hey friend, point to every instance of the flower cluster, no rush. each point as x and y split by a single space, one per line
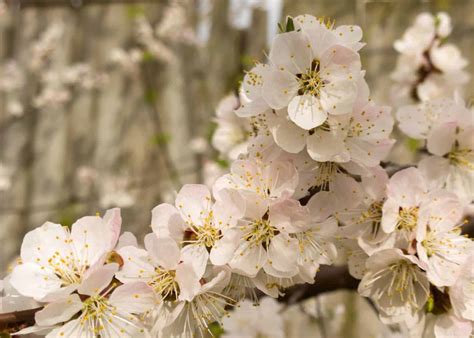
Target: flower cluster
306 187
428 67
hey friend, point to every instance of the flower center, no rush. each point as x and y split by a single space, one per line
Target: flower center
407 219
403 281
66 268
164 283
206 234
373 215
259 232
325 174
310 83
462 158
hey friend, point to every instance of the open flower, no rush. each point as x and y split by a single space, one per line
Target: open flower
56 261
395 282
440 245
99 308
310 79
196 222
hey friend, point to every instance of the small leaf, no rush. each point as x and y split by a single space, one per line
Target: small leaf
148 57
223 163
150 96
413 144
290 26
215 329
163 138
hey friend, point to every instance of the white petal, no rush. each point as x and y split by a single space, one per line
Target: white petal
289 136
325 146
282 253
164 251
166 221
32 281
441 139
279 88
194 202
306 112
197 256
290 52
58 312
133 298
98 280
188 281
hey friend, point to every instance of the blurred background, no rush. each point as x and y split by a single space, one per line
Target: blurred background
109 103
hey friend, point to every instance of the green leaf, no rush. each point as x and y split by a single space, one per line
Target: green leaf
135 11
290 26
223 163
430 304
150 96
148 57
161 139
413 145
216 330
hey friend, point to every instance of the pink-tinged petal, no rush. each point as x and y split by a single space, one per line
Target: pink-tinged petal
91 237
252 108
279 88
282 253
320 39
375 184
188 281
224 249
32 281
60 294
436 170
135 298
325 146
407 187
228 209
127 239
282 178
40 244
290 52
289 216
163 251
441 139
197 256
390 211
347 191
306 111
58 312
166 221
442 211
321 205
253 81
248 259
337 98
369 153
413 122
137 265
449 326
349 36
341 55
73 328
194 203
219 282
289 136
113 219
98 280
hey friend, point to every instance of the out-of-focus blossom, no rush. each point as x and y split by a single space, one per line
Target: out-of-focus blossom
253 321
447 126
114 192
428 68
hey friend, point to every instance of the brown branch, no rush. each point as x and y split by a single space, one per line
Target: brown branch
11 322
329 278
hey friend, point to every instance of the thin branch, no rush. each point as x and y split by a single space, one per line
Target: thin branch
329 278
11 322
